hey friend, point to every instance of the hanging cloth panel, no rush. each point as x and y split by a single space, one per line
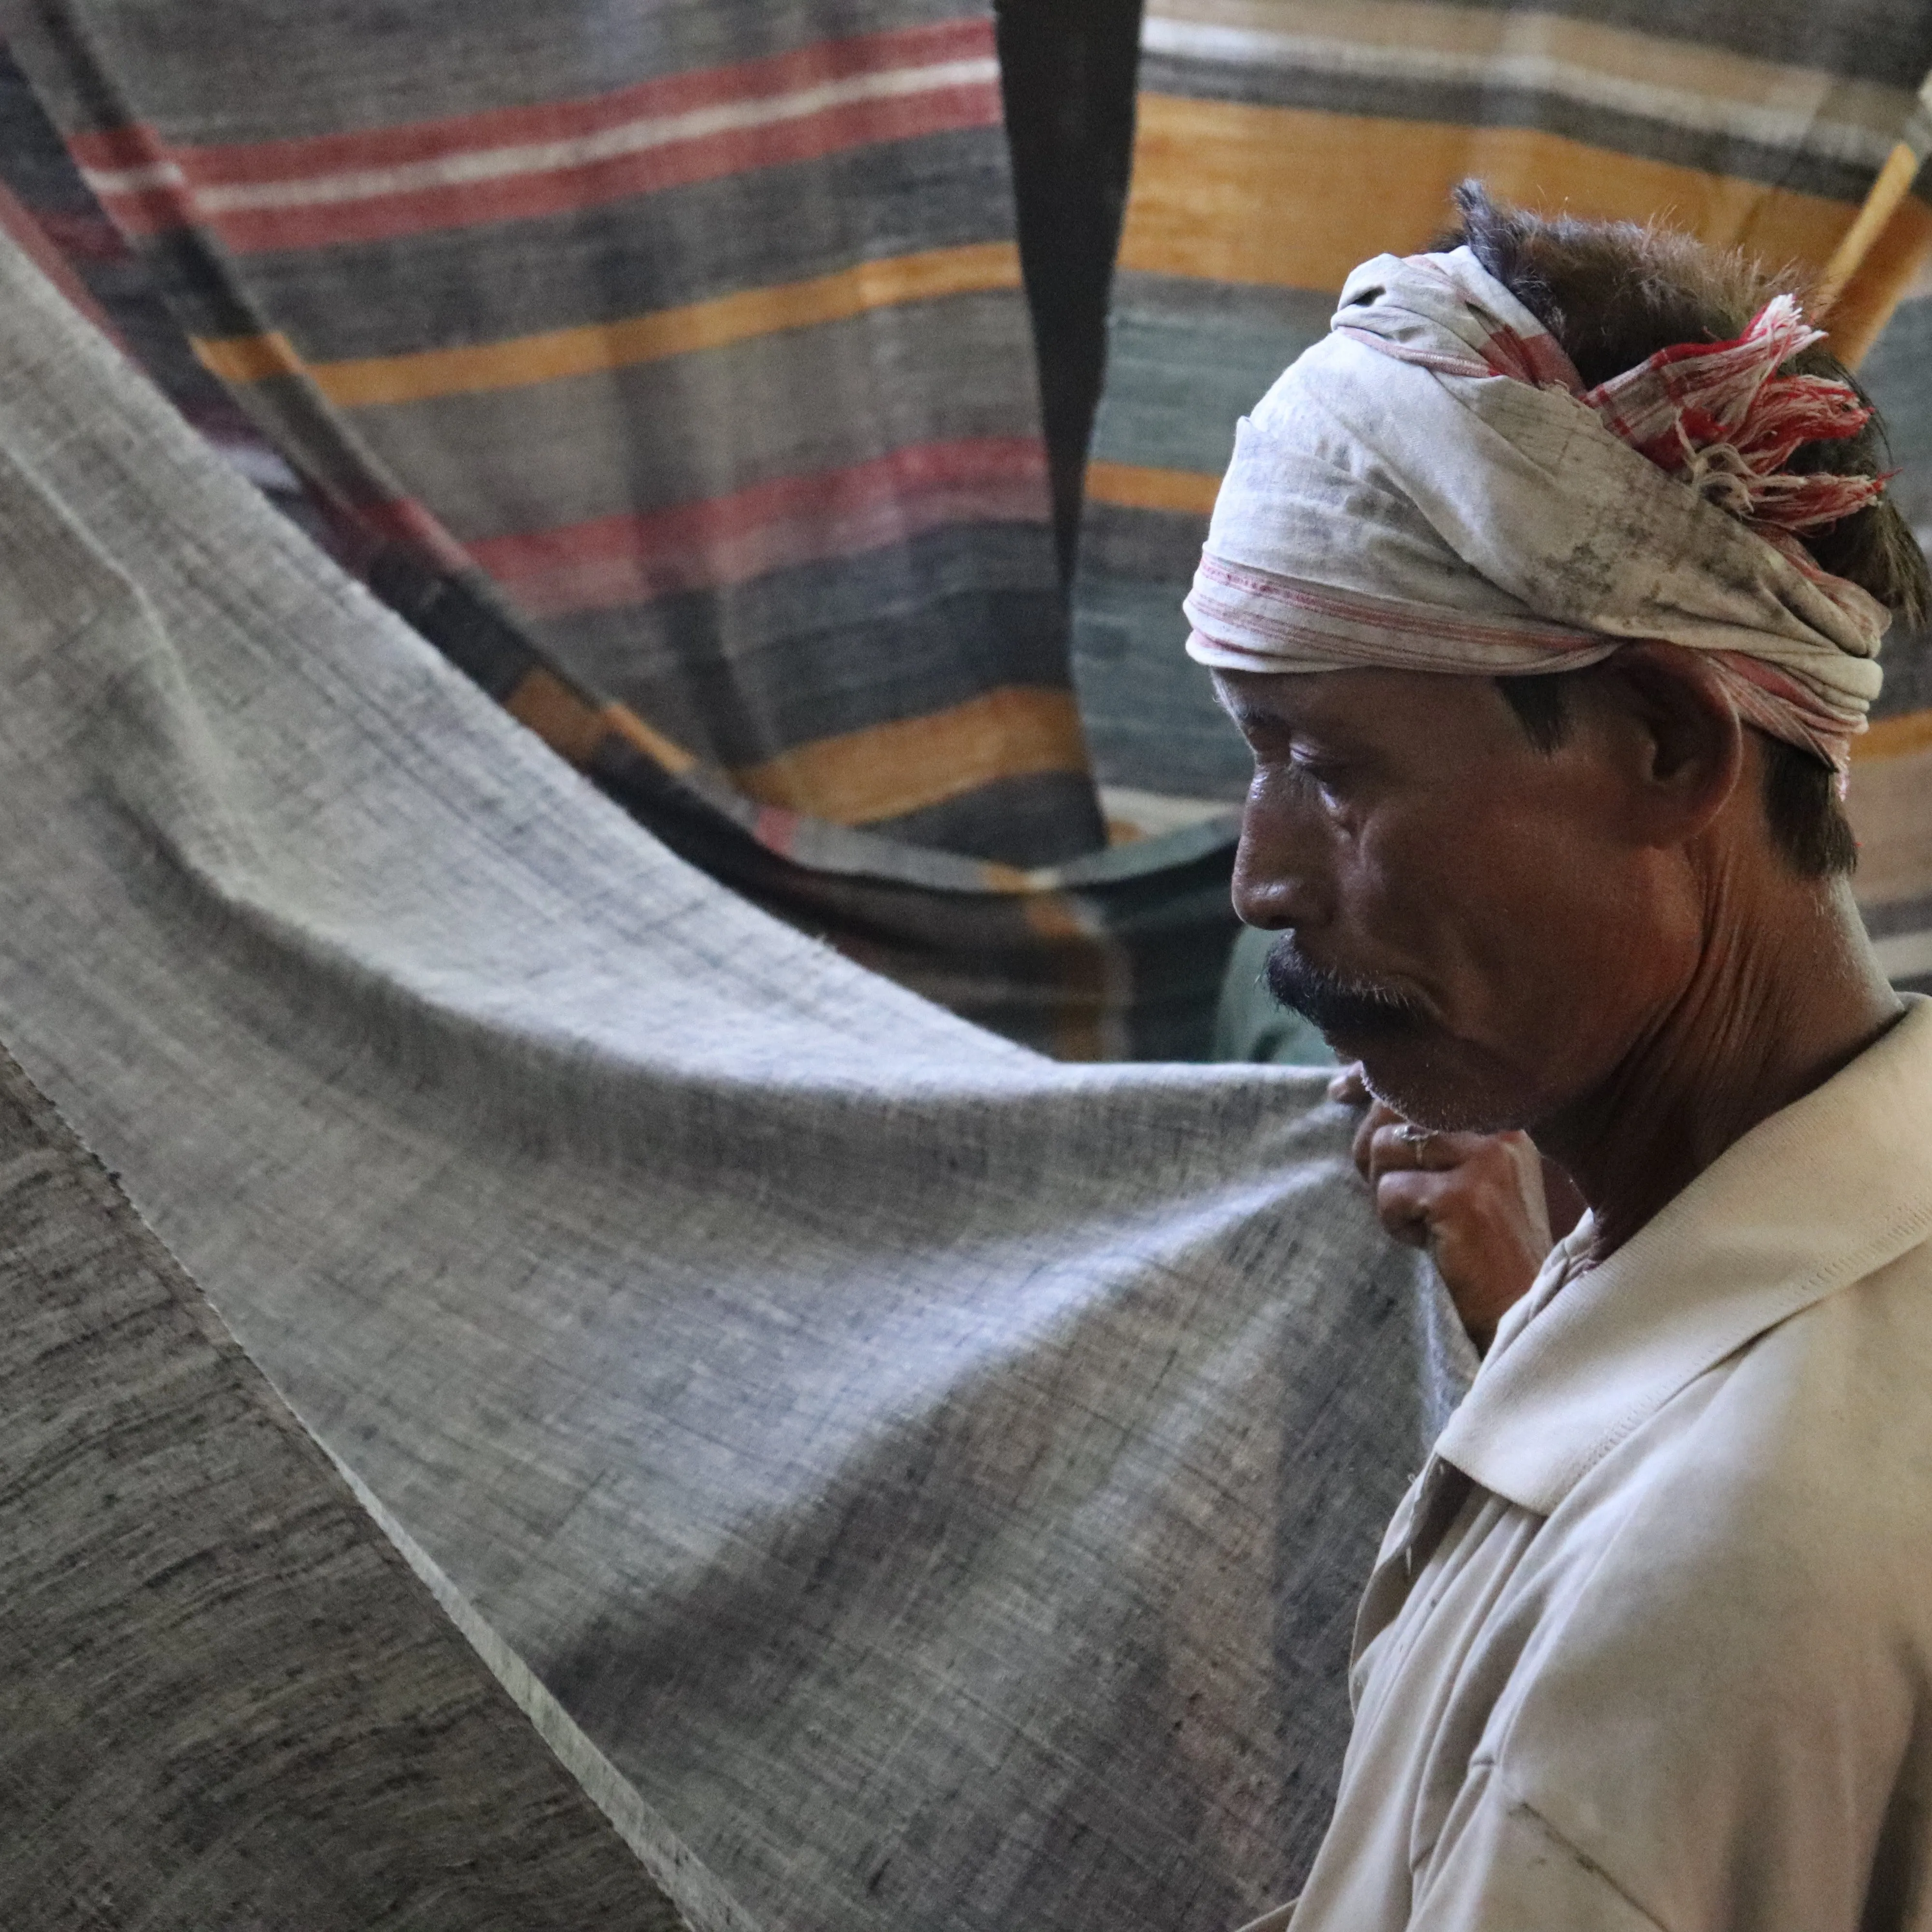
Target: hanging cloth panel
1117 954
938 1479
697 330
228 1702
1281 142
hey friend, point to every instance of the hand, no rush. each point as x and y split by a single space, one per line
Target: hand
1476 1201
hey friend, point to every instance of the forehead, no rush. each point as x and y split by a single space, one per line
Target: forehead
1380 707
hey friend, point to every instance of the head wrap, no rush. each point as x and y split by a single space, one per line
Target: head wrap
1432 487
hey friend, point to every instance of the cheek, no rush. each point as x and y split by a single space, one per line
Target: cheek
1515 920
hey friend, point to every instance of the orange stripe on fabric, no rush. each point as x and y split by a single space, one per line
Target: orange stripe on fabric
573 726
248 358
1132 487
596 347
563 717
1292 197
1893 737
626 724
862 777
1876 281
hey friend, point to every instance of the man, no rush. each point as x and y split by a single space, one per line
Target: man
1547 591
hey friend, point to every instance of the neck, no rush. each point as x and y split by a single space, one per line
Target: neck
1757 1025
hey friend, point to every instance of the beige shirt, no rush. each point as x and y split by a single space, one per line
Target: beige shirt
1649 1642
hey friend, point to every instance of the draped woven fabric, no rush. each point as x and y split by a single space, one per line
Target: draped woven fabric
226 1701
674 377
700 335
938 1481
1281 142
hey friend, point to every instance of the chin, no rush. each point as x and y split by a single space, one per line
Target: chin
1439 1084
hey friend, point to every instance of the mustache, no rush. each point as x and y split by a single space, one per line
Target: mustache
1351 1009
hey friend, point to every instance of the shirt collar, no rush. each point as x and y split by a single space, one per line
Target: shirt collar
1822 1193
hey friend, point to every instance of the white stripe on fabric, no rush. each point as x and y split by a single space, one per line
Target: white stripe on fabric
1797 127
630 137
134 181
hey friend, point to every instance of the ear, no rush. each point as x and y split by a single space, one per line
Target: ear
1678 738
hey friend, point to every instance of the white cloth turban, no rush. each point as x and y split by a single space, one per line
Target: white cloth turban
1431 488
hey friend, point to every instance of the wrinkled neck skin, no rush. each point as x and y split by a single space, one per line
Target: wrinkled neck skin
1783 991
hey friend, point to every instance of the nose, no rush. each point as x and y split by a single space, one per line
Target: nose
1281 872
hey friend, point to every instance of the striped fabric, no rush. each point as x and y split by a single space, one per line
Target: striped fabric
1281 142
724 477
698 334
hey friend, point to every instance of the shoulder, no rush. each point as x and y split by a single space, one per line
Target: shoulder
1729 1628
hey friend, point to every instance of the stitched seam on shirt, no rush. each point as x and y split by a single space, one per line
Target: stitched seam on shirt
1809 1291
1590 1865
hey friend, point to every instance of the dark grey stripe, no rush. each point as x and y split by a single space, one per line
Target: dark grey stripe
1893 375
1029 821
1150 710
1151 548
1507 107
1869 40
1887 922
811 653
487 282
278 69
1907 661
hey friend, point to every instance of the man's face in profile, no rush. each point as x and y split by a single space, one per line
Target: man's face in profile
1465 913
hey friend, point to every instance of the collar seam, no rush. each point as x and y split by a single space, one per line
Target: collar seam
1913 1228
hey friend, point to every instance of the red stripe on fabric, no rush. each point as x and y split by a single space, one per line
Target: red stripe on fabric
85 233
152 211
135 146
525 197
626 559
401 520
776 829
546 120
18 221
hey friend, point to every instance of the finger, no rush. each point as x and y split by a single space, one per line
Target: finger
1393 1144
1347 1085
1406 1203
1377 1120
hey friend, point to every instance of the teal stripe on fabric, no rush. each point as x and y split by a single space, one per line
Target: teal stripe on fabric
1186 360
1894 375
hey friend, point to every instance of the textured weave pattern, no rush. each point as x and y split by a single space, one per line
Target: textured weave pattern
699 334
939 1480
1116 954
1281 142
223 1700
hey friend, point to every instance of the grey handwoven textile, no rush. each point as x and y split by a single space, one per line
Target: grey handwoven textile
938 1479
223 1700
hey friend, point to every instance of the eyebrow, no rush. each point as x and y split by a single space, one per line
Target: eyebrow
1244 713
